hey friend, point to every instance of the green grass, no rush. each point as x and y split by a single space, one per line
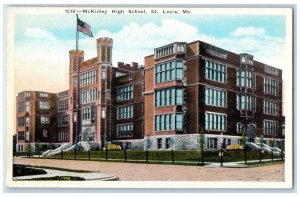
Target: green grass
164 156
57 178
263 163
22 170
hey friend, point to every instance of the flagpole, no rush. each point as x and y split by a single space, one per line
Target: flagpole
77 35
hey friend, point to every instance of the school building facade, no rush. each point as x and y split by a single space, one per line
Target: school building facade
182 89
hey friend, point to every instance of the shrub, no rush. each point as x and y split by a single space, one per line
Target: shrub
113 147
234 147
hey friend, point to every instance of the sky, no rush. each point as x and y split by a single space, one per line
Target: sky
42 44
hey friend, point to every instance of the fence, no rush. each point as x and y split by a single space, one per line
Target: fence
171 156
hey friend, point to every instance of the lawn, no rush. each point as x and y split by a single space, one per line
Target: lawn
163 156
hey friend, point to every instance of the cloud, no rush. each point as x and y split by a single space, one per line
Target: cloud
50 55
249 31
39 33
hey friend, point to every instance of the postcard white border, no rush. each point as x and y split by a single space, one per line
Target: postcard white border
10 125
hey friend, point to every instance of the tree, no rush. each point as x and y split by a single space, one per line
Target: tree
201 143
28 149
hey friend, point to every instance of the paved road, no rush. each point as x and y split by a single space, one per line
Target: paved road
159 172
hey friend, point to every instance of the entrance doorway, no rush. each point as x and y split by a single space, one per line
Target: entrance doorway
251 133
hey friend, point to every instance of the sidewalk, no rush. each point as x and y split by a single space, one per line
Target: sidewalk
237 164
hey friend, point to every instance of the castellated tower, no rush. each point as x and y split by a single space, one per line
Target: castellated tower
76 58
104 64
104 50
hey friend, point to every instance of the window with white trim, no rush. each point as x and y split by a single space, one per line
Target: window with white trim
245 102
245 78
168 71
45 120
62 121
88 96
239 127
169 122
44 94
87 78
212 143
27 121
63 105
125 130
86 113
215 121
215 71
215 97
271 86
125 112
271 107
125 93
168 97
270 127
44 105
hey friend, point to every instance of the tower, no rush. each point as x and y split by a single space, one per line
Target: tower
76 57
104 63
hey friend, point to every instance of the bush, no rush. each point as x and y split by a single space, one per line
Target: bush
113 147
234 147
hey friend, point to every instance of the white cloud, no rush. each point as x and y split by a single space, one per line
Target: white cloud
249 31
131 43
39 33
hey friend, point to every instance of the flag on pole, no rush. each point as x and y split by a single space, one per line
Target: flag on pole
84 28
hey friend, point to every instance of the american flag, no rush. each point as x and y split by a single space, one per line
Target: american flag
84 28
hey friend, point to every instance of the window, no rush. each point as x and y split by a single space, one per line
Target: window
27 107
23 107
21 135
245 78
240 141
86 113
21 122
212 143
270 127
44 105
24 94
27 136
44 120
271 86
215 97
215 71
167 97
215 122
271 107
87 78
63 136
168 143
167 122
118 74
103 74
245 102
27 121
63 105
239 127
125 93
125 112
125 130
168 71
170 49
159 143
62 121
88 96
44 94
103 113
